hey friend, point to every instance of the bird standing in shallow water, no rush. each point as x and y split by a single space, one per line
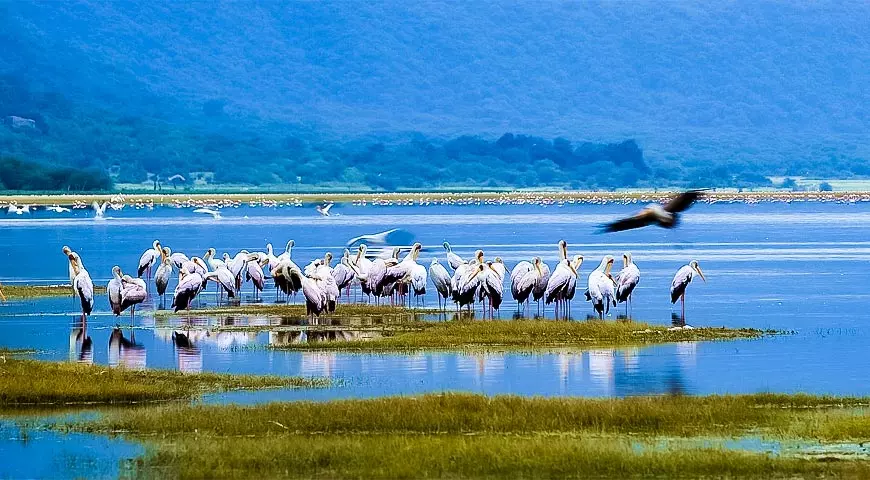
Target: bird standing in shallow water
626 281
681 281
600 287
441 280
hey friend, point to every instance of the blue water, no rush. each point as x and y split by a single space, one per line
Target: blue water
800 267
37 453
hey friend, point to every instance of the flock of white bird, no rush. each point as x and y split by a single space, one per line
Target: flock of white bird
473 281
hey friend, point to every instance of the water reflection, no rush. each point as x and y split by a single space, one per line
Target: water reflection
81 348
188 356
124 352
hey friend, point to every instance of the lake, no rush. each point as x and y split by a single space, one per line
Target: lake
799 267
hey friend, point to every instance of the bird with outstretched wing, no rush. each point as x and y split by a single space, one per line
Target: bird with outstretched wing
666 216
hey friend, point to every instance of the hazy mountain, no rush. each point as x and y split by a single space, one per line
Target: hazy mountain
692 82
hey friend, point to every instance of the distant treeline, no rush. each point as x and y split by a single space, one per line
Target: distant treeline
17 174
51 143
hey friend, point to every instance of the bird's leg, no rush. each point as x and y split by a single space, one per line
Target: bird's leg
683 306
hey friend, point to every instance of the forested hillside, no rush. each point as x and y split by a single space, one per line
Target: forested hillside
706 93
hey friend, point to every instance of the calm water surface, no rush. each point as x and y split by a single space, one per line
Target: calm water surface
800 267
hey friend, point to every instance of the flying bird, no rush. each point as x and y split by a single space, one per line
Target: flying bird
99 210
324 209
666 216
57 209
216 214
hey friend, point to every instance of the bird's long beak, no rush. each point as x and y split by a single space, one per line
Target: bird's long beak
698 268
608 267
624 261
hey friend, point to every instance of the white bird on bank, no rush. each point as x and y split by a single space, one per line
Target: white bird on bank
215 214
57 209
18 209
682 280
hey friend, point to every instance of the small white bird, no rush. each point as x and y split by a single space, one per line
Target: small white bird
57 209
18 209
324 209
215 214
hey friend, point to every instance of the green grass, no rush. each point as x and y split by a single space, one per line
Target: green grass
30 382
459 435
456 456
14 292
530 334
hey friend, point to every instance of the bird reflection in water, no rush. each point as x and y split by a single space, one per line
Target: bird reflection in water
81 348
300 337
188 355
124 352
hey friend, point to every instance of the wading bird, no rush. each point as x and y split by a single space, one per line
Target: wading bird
163 274
149 257
82 285
113 290
562 284
132 293
343 274
682 280
453 259
524 276
600 287
187 289
666 216
626 280
441 280
72 273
